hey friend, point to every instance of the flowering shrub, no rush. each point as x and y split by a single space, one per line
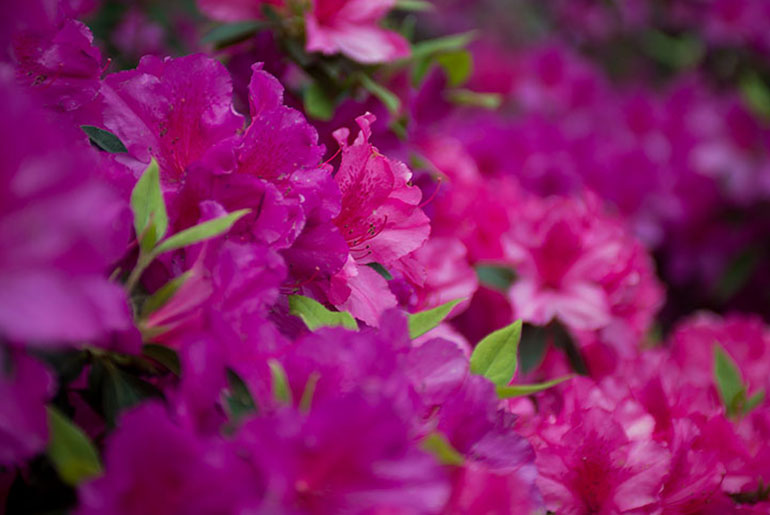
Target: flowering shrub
354 256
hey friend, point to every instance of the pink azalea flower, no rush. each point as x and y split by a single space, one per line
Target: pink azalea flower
351 27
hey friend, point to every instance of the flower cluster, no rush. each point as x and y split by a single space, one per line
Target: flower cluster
303 264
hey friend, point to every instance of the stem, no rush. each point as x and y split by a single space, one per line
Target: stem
141 265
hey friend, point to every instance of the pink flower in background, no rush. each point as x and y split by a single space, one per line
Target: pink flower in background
351 27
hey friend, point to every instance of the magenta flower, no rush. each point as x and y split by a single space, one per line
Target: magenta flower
60 231
351 27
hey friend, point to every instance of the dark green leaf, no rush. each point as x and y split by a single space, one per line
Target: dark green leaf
150 217
754 401
318 104
105 140
437 444
279 382
166 356
532 347
240 402
70 450
458 66
200 232
387 97
226 35
520 390
413 5
380 270
496 277
737 273
444 44
315 315
728 379
422 322
163 295
496 356
122 391
675 52
756 94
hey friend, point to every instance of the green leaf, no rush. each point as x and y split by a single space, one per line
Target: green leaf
121 391
520 390
496 277
680 52
200 232
166 356
495 357
315 315
466 97
163 295
317 103
413 5
229 34
422 322
754 401
387 97
105 140
443 44
279 382
737 273
728 379
437 444
239 400
756 94
380 270
458 66
70 450
150 217
309 391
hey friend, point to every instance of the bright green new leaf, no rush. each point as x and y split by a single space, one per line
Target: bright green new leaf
422 322
163 295
520 390
439 446
458 66
728 379
443 44
754 401
414 5
279 382
466 97
495 357
315 315
150 217
200 232
317 102
71 452
105 140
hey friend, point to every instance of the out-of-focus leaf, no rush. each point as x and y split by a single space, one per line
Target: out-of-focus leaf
69 449
166 356
105 140
317 103
309 391
451 43
231 33
458 66
496 356
279 382
200 232
756 94
387 97
437 444
737 273
413 5
520 390
150 217
532 347
754 401
380 270
496 277
163 295
239 400
728 379
675 52
422 322
315 315
466 97
121 391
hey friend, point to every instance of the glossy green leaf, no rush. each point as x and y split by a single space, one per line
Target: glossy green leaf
70 450
318 104
458 66
201 232
422 322
150 217
387 97
495 357
437 444
443 44
279 382
728 379
315 315
520 390
105 140
163 295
